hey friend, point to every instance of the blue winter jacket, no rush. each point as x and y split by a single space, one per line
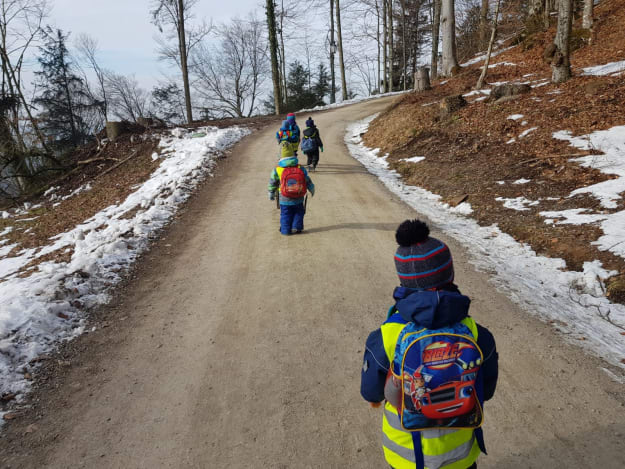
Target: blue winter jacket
288 126
433 310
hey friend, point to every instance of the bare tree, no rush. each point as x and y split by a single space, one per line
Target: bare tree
273 53
448 23
391 31
493 34
230 76
560 64
484 23
385 48
436 22
587 15
339 31
174 14
21 24
87 48
332 52
127 99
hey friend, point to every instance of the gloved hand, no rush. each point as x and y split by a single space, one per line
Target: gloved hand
272 195
321 148
312 192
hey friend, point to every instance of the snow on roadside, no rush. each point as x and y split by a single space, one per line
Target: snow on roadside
573 300
49 305
414 159
519 204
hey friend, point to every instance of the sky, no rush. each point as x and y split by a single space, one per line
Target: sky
125 34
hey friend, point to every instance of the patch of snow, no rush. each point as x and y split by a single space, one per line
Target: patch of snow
519 203
528 75
612 69
103 247
443 82
501 183
515 117
482 57
540 285
503 64
524 123
522 181
574 216
612 143
528 131
512 140
414 159
463 209
154 156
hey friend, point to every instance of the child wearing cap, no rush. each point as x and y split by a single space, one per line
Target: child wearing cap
427 298
311 144
289 133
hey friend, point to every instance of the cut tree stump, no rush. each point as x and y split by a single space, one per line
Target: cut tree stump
509 89
114 130
451 104
422 79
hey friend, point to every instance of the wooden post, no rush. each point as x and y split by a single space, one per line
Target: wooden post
113 130
422 79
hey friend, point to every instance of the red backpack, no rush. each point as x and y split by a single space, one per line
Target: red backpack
293 182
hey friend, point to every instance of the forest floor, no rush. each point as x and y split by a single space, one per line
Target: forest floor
502 157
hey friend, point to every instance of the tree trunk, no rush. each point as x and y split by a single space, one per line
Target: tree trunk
385 33
332 46
377 12
448 26
547 13
285 91
182 45
391 71
422 79
493 33
436 23
484 23
534 7
403 41
273 52
341 62
587 16
561 67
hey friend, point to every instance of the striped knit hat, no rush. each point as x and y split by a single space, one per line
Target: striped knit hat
422 262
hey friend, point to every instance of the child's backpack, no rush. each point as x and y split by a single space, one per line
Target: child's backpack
284 135
293 182
436 374
309 143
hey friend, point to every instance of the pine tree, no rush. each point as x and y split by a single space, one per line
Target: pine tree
322 86
299 96
63 101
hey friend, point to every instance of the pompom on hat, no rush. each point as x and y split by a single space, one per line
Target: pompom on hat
310 122
422 262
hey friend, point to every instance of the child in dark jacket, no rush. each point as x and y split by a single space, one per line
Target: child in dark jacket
427 298
311 144
292 209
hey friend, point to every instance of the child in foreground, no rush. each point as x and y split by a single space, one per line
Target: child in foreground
430 363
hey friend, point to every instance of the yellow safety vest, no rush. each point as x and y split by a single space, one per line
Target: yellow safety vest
450 448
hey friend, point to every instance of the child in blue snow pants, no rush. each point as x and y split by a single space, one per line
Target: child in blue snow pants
291 218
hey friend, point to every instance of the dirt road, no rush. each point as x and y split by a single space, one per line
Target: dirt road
223 354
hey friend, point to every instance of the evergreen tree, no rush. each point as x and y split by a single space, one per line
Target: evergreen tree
322 87
300 96
65 106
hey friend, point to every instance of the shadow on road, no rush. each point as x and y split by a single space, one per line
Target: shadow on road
339 169
354 226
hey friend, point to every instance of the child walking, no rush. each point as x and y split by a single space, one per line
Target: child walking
291 181
289 134
311 144
430 362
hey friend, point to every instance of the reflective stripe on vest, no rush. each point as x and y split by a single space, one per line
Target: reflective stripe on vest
448 448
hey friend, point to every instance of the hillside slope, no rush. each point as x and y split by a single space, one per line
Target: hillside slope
505 159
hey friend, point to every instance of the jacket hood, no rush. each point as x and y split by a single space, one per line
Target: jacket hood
288 161
431 309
